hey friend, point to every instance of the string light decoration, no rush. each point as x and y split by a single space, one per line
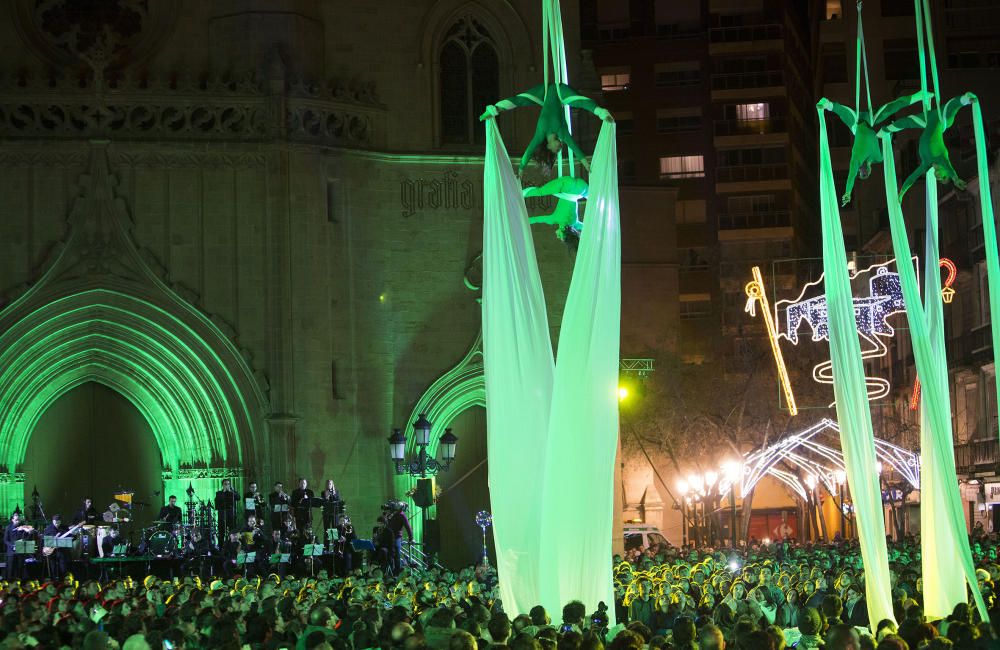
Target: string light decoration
805 455
755 293
947 295
872 314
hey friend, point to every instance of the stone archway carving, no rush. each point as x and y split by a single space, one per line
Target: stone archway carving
100 313
460 388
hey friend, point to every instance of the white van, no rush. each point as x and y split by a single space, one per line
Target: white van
642 536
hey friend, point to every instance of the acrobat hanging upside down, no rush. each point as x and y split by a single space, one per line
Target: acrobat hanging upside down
569 191
552 129
866 149
931 147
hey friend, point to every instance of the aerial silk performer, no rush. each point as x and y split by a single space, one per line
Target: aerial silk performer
944 540
569 191
552 128
853 413
552 425
931 148
866 150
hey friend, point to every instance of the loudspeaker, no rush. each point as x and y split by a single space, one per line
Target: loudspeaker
424 495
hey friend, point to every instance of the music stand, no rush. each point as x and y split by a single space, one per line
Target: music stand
365 546
249 503
246 558
312 551
280 558
24 547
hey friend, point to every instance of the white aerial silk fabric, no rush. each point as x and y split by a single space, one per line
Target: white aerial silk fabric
552 427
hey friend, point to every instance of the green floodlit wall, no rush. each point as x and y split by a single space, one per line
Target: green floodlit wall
176 381
461 388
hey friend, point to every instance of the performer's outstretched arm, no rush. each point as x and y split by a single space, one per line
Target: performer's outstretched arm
529 151
852 173
912 178
577 151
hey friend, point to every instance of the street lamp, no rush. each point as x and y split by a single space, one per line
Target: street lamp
423 465
840 479
709 501
732 473
682 489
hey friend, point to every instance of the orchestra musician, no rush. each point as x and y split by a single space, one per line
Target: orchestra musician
302 498
332 505
225 506
87 514
110 541
230 549
277 498
343 549
258 500
13 533
278 544
170 514
253 541
197 555
59 557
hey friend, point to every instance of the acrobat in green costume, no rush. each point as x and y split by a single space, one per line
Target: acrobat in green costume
551 128
932 150
568 190
867 149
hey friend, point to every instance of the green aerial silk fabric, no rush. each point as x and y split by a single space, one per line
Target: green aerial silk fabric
853 414
552 428
519 373
944 540
989 227
578 492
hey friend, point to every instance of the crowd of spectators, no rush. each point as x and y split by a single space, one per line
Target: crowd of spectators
766 596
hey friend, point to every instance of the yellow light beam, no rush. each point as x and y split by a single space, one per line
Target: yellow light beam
755 292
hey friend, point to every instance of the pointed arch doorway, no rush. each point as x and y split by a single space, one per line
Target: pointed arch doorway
75 451
100 314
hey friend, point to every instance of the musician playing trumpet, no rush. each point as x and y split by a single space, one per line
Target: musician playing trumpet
277 498
258 503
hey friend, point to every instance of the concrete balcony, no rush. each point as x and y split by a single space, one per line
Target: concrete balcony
741 85
978 457
729 133
745 38
770 219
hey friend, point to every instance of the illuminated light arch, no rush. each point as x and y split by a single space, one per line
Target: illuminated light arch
100 313
805 453
460 388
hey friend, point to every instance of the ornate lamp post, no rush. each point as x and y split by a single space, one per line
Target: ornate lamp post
423 466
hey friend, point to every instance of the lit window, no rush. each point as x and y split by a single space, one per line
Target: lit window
833 10
753 112
682 167
616 81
